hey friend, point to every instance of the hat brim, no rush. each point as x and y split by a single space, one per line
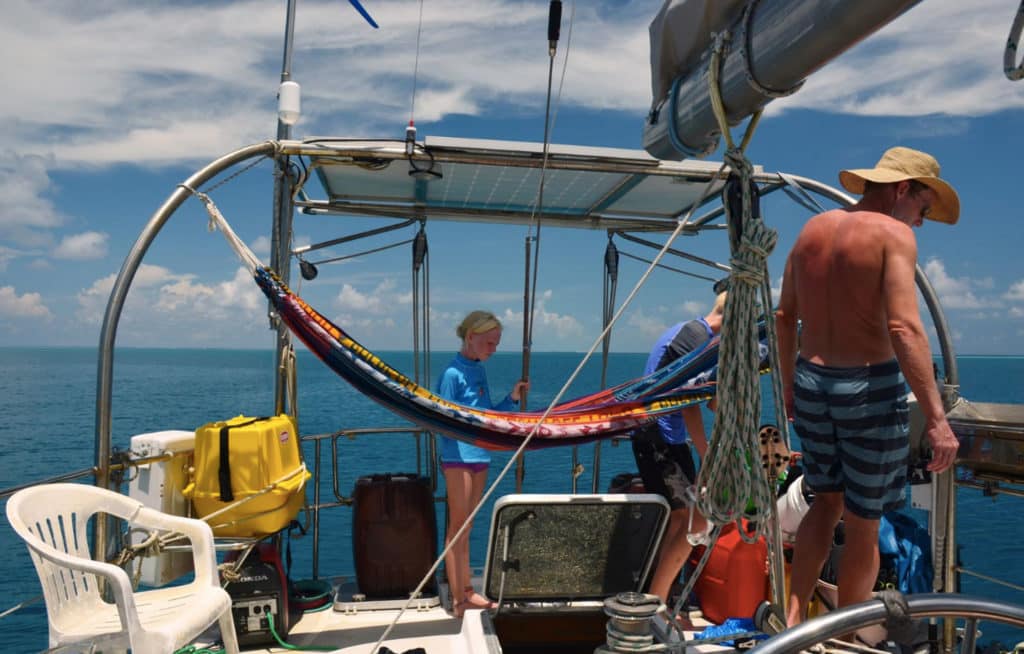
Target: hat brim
947 205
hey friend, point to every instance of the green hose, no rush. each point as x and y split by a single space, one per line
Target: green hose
282 643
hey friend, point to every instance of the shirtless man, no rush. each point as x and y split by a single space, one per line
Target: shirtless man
849 282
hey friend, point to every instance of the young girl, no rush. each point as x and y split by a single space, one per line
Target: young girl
465 466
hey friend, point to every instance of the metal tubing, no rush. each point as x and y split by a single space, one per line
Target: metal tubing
854 617
282 228
788 40
108 332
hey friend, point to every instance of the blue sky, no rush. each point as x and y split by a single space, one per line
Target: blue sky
109 104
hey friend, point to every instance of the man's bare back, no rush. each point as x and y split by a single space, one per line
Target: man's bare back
837 267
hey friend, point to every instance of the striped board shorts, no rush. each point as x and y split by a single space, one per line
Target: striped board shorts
853 425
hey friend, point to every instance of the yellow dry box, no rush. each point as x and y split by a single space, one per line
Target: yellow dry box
253 466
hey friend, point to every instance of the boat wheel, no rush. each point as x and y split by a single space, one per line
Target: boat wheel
896 612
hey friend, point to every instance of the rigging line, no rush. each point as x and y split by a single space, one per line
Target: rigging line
538 209
549 125
353 237
364 252
679 253
667 267
554 401
416 66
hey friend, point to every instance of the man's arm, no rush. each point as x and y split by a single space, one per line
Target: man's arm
909 341
693 420
785 329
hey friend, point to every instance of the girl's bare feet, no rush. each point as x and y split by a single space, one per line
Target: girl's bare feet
474 600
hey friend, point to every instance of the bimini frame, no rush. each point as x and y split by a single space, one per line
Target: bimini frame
620 191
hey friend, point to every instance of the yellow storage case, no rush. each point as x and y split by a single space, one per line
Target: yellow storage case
250 470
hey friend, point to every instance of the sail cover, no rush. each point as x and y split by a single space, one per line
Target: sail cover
680 33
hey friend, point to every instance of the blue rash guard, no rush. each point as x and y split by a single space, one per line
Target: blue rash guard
465 382
677 341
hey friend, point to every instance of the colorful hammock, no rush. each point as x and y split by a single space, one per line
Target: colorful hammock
606 413
592 417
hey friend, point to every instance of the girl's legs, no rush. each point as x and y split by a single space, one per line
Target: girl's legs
465 487
459 486
472 598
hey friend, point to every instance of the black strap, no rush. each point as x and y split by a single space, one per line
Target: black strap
224 469
292 526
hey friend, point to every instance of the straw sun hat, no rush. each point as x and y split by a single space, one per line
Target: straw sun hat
898 164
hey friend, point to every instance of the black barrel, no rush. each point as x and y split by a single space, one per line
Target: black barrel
394 533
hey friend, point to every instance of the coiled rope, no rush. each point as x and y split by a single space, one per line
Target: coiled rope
731 477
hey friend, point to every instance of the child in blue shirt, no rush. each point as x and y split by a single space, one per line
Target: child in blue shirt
464 381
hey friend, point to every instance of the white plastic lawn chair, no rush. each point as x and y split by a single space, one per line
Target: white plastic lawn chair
52 520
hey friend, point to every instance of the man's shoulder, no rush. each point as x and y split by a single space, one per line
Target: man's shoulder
825 225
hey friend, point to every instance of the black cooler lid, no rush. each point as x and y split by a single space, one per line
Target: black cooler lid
560 548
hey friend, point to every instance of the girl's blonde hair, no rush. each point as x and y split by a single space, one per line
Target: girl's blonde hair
477 322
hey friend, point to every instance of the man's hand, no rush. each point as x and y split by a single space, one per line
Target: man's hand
944 445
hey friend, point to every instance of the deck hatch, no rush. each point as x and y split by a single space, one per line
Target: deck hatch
560 548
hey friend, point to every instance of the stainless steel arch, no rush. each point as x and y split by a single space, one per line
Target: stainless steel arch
115 305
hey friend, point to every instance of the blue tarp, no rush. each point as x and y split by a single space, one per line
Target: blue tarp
905 546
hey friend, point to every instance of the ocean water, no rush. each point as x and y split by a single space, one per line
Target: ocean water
49 394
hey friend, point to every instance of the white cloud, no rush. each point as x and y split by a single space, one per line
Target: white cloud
238 297
900 72
92 301
177 298
1016 292
560 326
261 246
131 82
26 215
155 84
28 305
87 245
649 326
6 256
694 308
351 300
159 84
955 292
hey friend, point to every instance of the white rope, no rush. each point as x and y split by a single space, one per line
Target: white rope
217 221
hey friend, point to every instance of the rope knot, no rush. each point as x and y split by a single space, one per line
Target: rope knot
746 271
758 239
738 161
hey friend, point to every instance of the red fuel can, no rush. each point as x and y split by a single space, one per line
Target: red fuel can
735 579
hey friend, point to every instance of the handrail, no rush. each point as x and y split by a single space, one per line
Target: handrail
115 305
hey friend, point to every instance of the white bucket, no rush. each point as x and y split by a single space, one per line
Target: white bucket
792 507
